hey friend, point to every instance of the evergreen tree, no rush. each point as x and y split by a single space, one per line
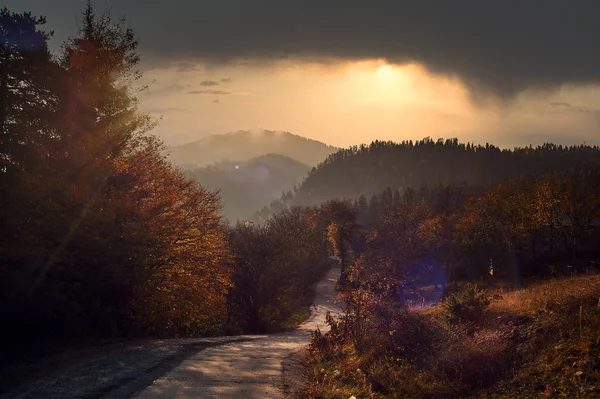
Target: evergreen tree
28 79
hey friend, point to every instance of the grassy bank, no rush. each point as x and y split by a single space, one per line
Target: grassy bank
541 341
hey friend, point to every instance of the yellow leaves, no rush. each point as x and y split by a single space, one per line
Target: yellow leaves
182 241
431 230
121 164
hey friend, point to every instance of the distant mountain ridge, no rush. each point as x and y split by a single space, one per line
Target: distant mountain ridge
247 186
244 145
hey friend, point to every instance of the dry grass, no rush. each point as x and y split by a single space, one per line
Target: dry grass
553 294
540 341
558 330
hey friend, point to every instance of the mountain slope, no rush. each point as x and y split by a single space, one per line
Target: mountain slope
371 169
245 187
244 145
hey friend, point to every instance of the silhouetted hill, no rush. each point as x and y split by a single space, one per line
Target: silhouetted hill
244 145
370 169
247 186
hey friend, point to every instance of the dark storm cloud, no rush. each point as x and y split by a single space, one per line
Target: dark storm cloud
209 83
501 46
218 92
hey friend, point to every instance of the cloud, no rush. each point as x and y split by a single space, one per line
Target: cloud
561 105
218 92
216 101
209 83
156 89
575 108
226 80
499 47
186 66
165 110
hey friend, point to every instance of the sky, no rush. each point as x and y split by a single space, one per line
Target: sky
348 72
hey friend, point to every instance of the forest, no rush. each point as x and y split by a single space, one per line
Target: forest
100 235
369 169
486 293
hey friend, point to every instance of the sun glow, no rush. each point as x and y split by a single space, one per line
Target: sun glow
385 76
377 83
361 100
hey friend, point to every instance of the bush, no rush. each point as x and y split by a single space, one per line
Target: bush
277 264
467 306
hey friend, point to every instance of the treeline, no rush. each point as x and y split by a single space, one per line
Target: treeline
542 226
470 342
369 169
100 236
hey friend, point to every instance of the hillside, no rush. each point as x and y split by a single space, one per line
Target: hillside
244 145
247 186
370 169
529 343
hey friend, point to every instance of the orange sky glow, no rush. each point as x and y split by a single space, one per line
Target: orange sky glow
347 103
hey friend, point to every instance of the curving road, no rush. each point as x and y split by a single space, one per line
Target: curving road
247 366
257 368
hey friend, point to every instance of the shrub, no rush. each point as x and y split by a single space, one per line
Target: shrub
467 306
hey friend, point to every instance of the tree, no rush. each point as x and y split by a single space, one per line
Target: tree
276 265
27 76
107 238
340 219
480 236
29 81
581 206
390 248
168 246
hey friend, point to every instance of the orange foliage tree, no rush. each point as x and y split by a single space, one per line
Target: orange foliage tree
106 238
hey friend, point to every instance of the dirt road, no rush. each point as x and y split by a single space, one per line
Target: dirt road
245 369
232 367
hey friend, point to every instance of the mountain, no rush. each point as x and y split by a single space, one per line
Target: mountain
245 187
244 145
370 169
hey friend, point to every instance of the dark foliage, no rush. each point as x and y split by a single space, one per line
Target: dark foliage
99 234
371 169
277 264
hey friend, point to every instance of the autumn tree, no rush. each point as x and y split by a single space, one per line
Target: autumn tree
277 264
163 233
109 239
581 207
339 219
393 246
169 230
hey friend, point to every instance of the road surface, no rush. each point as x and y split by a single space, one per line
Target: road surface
247 366
246 369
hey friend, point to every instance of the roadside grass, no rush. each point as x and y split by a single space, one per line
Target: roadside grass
542 341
